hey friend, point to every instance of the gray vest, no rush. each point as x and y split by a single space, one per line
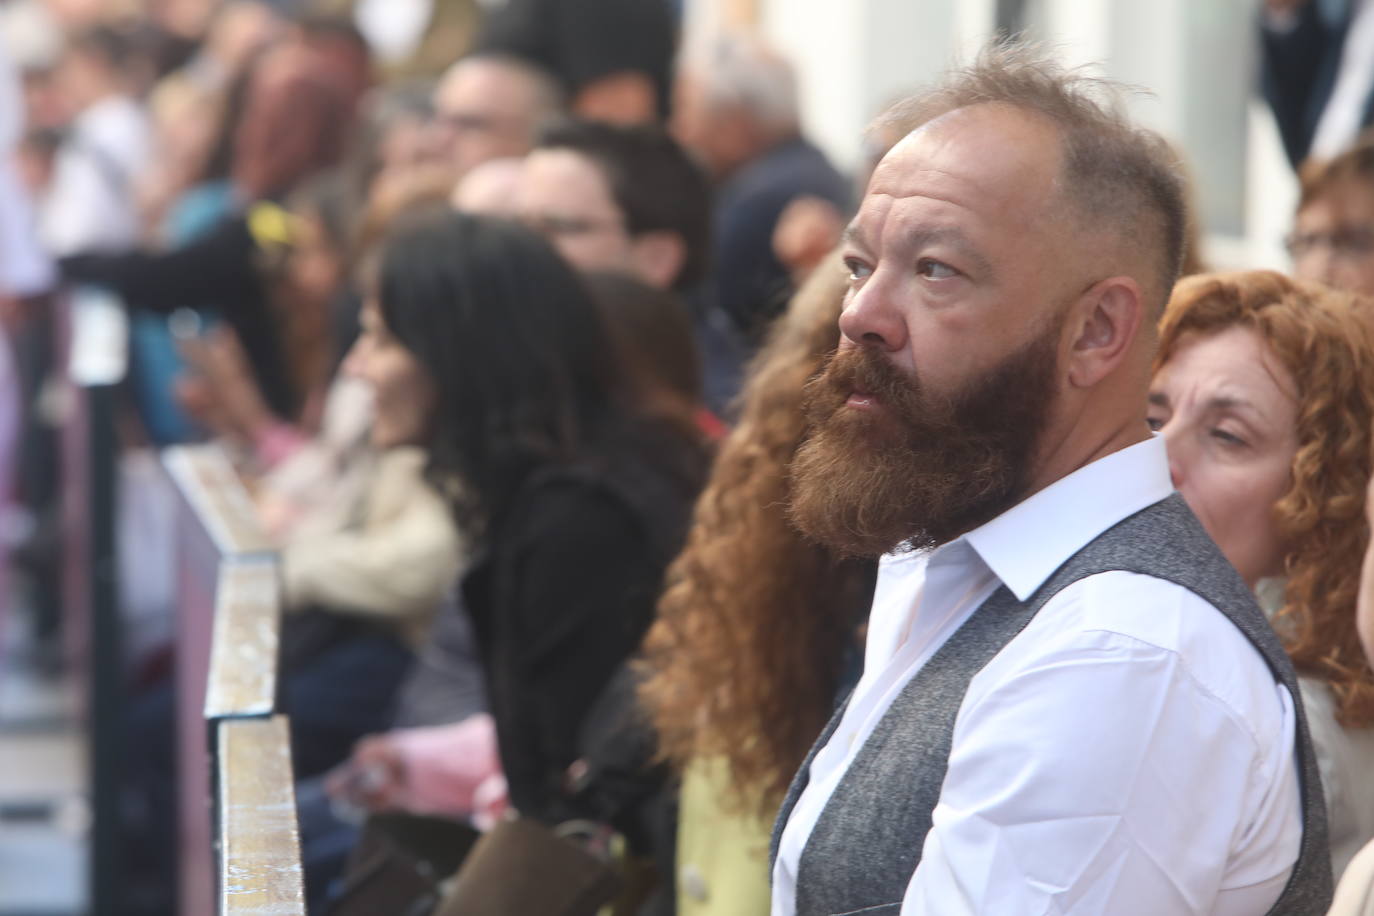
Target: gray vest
867 842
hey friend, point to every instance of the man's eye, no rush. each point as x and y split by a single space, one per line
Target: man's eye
935 270
858 270
1155 423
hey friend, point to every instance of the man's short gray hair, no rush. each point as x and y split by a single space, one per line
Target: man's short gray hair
1118 177
739 70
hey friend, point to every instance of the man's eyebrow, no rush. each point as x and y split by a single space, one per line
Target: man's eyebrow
853 235
954 238
1159 399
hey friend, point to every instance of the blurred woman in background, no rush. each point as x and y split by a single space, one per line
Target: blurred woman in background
571 481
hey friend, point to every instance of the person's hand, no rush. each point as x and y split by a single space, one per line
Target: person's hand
14 314
222 391
373 779
451 770
490 802
806 232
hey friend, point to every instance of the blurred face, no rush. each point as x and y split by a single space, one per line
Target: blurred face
927 421
482 111
1333 238
565 196
717 136
1228 411
403 391
82 80
314 269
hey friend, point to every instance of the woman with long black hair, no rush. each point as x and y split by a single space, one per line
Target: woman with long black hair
572 485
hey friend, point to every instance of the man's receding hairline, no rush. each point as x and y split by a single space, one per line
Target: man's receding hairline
1066 200
542 85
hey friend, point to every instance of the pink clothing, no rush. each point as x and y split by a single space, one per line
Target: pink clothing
451 769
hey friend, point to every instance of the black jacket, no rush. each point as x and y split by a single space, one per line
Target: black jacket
1299 69
562 593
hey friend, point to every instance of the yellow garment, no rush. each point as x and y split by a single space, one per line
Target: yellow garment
722 857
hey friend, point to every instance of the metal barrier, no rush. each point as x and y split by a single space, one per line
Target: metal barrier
227 732
259 849
235 790
89 347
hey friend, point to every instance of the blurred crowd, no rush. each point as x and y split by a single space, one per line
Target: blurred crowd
505 313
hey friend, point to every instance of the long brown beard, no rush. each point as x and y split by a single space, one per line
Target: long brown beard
922 469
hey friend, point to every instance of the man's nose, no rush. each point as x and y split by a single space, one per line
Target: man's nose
871 318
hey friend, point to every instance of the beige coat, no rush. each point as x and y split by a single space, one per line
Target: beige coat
392 559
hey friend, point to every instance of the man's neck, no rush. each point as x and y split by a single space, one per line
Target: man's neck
1081 446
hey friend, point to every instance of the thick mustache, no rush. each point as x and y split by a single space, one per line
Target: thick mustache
865 372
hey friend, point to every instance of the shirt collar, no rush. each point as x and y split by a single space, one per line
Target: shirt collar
1026 544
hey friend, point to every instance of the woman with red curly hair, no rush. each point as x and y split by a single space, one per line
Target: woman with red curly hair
1264 392
748 653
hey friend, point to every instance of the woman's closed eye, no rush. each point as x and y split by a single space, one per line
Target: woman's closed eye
1227 437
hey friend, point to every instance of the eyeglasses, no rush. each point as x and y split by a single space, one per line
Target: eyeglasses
471 123
1353 243
553 226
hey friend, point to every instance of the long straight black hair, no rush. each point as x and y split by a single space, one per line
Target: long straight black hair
517 351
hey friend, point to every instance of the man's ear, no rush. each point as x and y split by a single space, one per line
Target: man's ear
1105 320
658 257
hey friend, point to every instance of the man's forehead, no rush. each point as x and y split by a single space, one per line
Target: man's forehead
569 174
983 158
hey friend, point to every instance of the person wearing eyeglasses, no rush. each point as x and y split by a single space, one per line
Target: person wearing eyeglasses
1332 241
630 200
488 106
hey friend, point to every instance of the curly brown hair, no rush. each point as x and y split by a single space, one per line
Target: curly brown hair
1323 338
744 659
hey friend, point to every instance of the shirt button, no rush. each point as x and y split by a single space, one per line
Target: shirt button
693 883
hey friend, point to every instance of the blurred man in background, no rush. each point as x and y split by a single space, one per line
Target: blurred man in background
490 106
735 107
1333 231
630 200
90 204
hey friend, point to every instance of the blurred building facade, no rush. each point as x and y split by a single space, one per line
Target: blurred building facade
1194 62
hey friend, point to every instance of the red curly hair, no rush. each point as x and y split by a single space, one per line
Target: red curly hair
1324 340
744 659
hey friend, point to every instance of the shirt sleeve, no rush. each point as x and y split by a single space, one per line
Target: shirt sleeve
1074 785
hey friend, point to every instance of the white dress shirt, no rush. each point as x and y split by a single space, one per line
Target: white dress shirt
1129 752
90 204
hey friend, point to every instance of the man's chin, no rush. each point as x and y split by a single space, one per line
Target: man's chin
839 499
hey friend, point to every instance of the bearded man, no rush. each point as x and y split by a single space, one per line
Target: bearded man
1070 702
